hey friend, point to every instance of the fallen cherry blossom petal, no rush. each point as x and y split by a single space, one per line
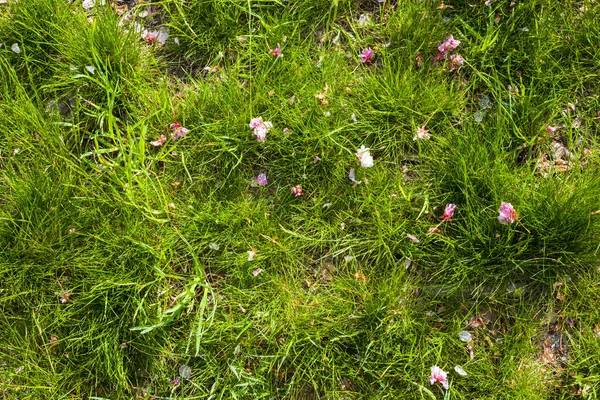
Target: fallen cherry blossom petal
460 371
438 375
507 214
413 238
160 141
297 190
366 55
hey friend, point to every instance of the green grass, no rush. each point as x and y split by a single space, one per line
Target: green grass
124 268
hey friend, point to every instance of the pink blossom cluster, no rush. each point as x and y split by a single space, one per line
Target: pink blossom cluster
438 375
507 214
366 55
448 212
260 128
177 132
445 52
276 52
260 180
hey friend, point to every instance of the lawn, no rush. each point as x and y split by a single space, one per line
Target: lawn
299 199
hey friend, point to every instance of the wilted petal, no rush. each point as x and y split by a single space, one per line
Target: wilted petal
162 37
413 238
448 212
449 45
464 336
352 177
364 19
160 141
178 131
185 371
297 190
256 272
149 36
251 254
551 129
456 61
261 180
276 52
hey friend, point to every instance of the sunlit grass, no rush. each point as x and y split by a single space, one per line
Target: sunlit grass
124 265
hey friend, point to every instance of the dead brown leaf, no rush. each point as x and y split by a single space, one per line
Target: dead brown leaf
321 96
361 277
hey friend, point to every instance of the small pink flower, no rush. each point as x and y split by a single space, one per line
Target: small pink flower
364 156
438 375
276 52
297 190
149 36
177 131
422 133
160 141
507 214
261 180
449 45
260 133
256 122
551 129
260 128
448 212
456 61
413 238
366 55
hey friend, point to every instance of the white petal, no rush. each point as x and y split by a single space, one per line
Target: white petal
90 69
162 37
15 48
87 4
460 371
464 336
